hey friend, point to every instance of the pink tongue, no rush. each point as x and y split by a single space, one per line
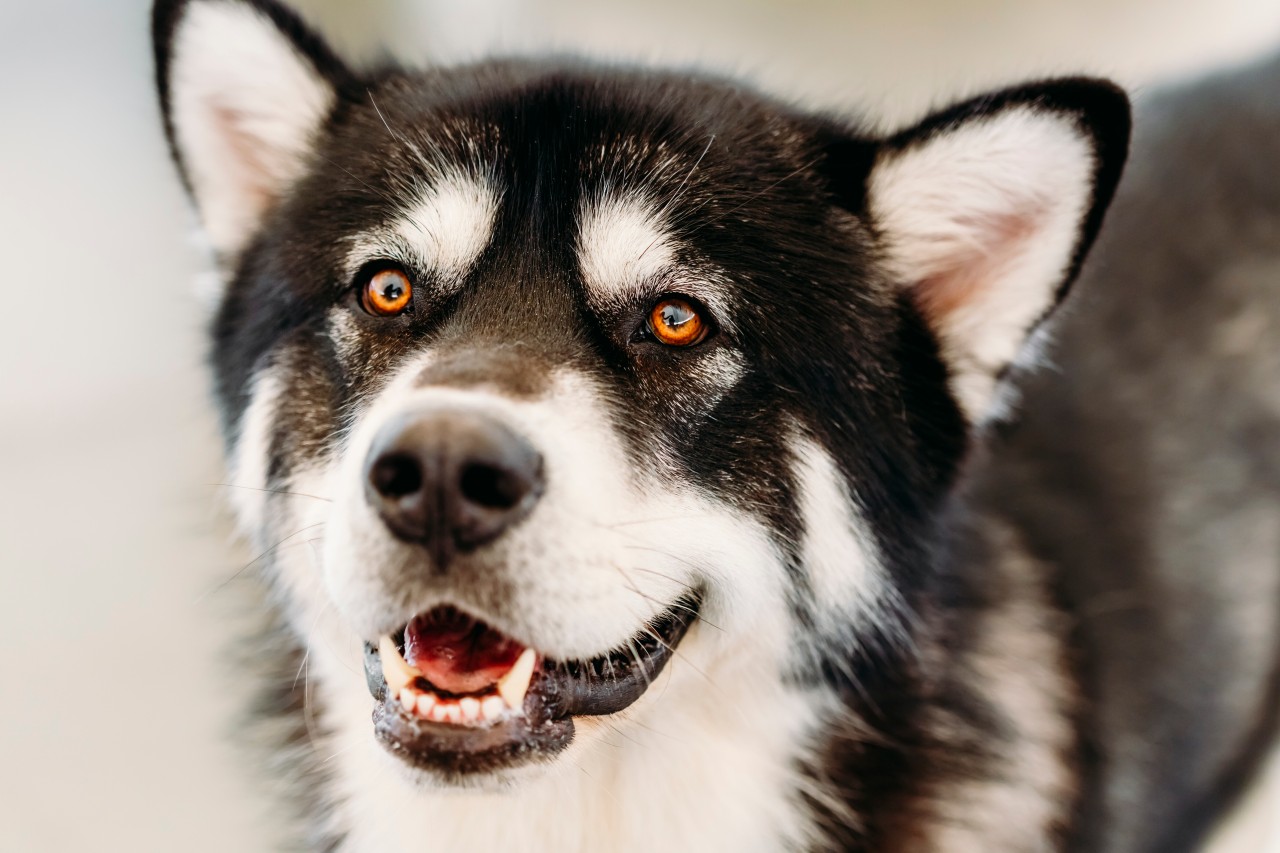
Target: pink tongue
456 653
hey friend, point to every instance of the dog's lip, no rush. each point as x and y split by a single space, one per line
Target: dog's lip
558 692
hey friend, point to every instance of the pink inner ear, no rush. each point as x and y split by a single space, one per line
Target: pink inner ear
252 175
966 275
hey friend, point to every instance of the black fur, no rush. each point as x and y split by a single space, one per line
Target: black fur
776 200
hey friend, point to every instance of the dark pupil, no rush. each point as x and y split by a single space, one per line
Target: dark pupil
676 315
393 291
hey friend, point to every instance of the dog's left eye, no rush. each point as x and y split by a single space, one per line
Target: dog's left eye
677 322
386 293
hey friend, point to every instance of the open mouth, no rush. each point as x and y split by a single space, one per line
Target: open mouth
457 696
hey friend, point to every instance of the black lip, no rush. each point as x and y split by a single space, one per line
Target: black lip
559 691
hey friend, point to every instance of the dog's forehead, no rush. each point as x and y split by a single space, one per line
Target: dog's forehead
616 176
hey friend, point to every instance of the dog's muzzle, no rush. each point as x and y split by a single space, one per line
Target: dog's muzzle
458 696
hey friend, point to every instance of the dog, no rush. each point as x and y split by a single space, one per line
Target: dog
644 463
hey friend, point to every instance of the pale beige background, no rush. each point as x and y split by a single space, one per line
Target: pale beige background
114 697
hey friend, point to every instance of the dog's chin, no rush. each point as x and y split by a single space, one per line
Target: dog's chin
427 768
496 724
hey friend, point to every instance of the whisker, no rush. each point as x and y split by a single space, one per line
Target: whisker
249 564
635 655
618 730
631 585
301 665
378 110
664 553
340 752
308 713
376 192
653 572
752 198
271 491
678 194
633 522
676 653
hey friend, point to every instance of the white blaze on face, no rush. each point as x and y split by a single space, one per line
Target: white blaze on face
574 600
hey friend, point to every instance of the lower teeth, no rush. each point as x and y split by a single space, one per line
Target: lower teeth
402 678
469 710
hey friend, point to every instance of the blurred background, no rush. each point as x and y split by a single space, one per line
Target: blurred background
115 601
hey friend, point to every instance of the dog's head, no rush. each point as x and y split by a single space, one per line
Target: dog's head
591 387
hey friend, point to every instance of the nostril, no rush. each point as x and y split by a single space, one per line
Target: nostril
396 475
452 481
491 487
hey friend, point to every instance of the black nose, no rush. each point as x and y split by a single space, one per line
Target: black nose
451 480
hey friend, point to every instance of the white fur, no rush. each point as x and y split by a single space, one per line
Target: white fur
251 453
1254 823
625 785
982 220
245 105
610 546
628 254
453 222
441 231
1018 662
623 245
637 536
847 579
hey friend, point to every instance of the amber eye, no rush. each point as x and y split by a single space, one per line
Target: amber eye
387 293
677 323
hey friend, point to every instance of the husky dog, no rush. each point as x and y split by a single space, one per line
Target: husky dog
650 443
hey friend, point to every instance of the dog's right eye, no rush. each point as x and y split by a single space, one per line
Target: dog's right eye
676 322
387 293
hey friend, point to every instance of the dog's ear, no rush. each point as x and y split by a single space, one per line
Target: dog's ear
985 212
244 88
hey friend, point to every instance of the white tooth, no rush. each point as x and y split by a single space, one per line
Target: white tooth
470 708
395 669
513 685
408 698
426 701
452 714
440 712
492 707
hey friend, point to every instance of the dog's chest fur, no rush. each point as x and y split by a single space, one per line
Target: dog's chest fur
628 795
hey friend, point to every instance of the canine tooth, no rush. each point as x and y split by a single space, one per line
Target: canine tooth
408 699
492 707
395 669
426 702
469 708
513 685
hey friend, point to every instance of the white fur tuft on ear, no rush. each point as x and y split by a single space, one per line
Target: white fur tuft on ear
244 102
982 219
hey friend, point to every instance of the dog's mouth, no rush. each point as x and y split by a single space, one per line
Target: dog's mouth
459 697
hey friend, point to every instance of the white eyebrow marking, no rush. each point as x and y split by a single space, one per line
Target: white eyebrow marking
622 246
443 231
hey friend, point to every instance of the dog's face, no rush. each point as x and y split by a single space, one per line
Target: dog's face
601 396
